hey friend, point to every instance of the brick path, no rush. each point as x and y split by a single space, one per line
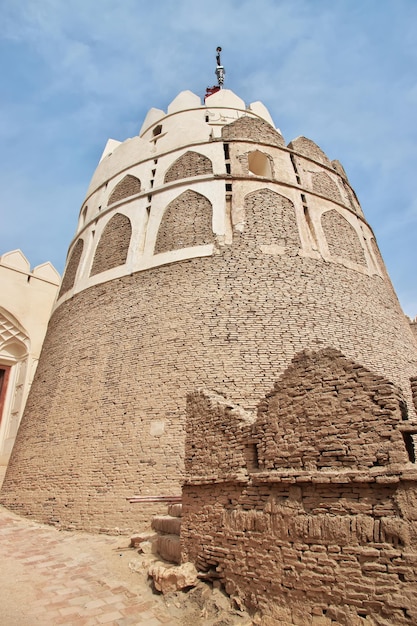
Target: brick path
48 577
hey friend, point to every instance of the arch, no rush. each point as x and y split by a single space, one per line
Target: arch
270 219
254 129
14 340
326 186
260 164
114 244
342 239
128 186
72 267
187 221
189 164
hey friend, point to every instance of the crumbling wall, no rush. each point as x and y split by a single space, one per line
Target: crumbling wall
297 541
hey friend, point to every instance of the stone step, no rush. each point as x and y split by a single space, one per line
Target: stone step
166 524
169 548
175 510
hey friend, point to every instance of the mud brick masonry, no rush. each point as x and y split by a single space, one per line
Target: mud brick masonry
211 254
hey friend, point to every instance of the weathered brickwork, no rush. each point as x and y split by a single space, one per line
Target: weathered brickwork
231 322
296 427
254 129
413 382
270 220
113 246
106 412
129 186
186 222
189 164
325 186
413 326
299 542
72 267
342 238
309 149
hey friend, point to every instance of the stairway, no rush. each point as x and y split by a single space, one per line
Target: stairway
168 529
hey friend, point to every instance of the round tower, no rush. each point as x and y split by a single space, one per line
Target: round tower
208 253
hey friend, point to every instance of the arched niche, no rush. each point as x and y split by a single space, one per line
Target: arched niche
342 239
189 164
187 221
114 244
128 186
260 164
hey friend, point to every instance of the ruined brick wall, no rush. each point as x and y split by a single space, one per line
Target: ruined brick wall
128 186
186 222
189 164
113 246
72 267
296 540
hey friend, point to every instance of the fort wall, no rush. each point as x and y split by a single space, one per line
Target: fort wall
218 278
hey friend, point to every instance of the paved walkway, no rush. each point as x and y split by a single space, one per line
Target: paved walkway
50 577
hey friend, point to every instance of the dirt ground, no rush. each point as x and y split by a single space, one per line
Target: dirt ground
50 577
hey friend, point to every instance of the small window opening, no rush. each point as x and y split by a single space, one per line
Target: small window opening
151 183
226 151
85 214
228 187
28 279
207 118
149 198
148 210
155 161
259 164
303 198
228 169
153 173
409 446
157 130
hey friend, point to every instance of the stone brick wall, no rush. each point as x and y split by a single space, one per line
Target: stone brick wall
113 246
325 186
413 326
72 267
309 149
186 222
254 129
342 239
189 164
128 186
301 542
106 412
104 419
270 220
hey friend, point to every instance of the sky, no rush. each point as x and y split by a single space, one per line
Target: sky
75 73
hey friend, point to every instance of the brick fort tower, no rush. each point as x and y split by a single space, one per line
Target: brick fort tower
208 253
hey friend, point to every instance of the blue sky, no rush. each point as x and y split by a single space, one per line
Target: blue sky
74 73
